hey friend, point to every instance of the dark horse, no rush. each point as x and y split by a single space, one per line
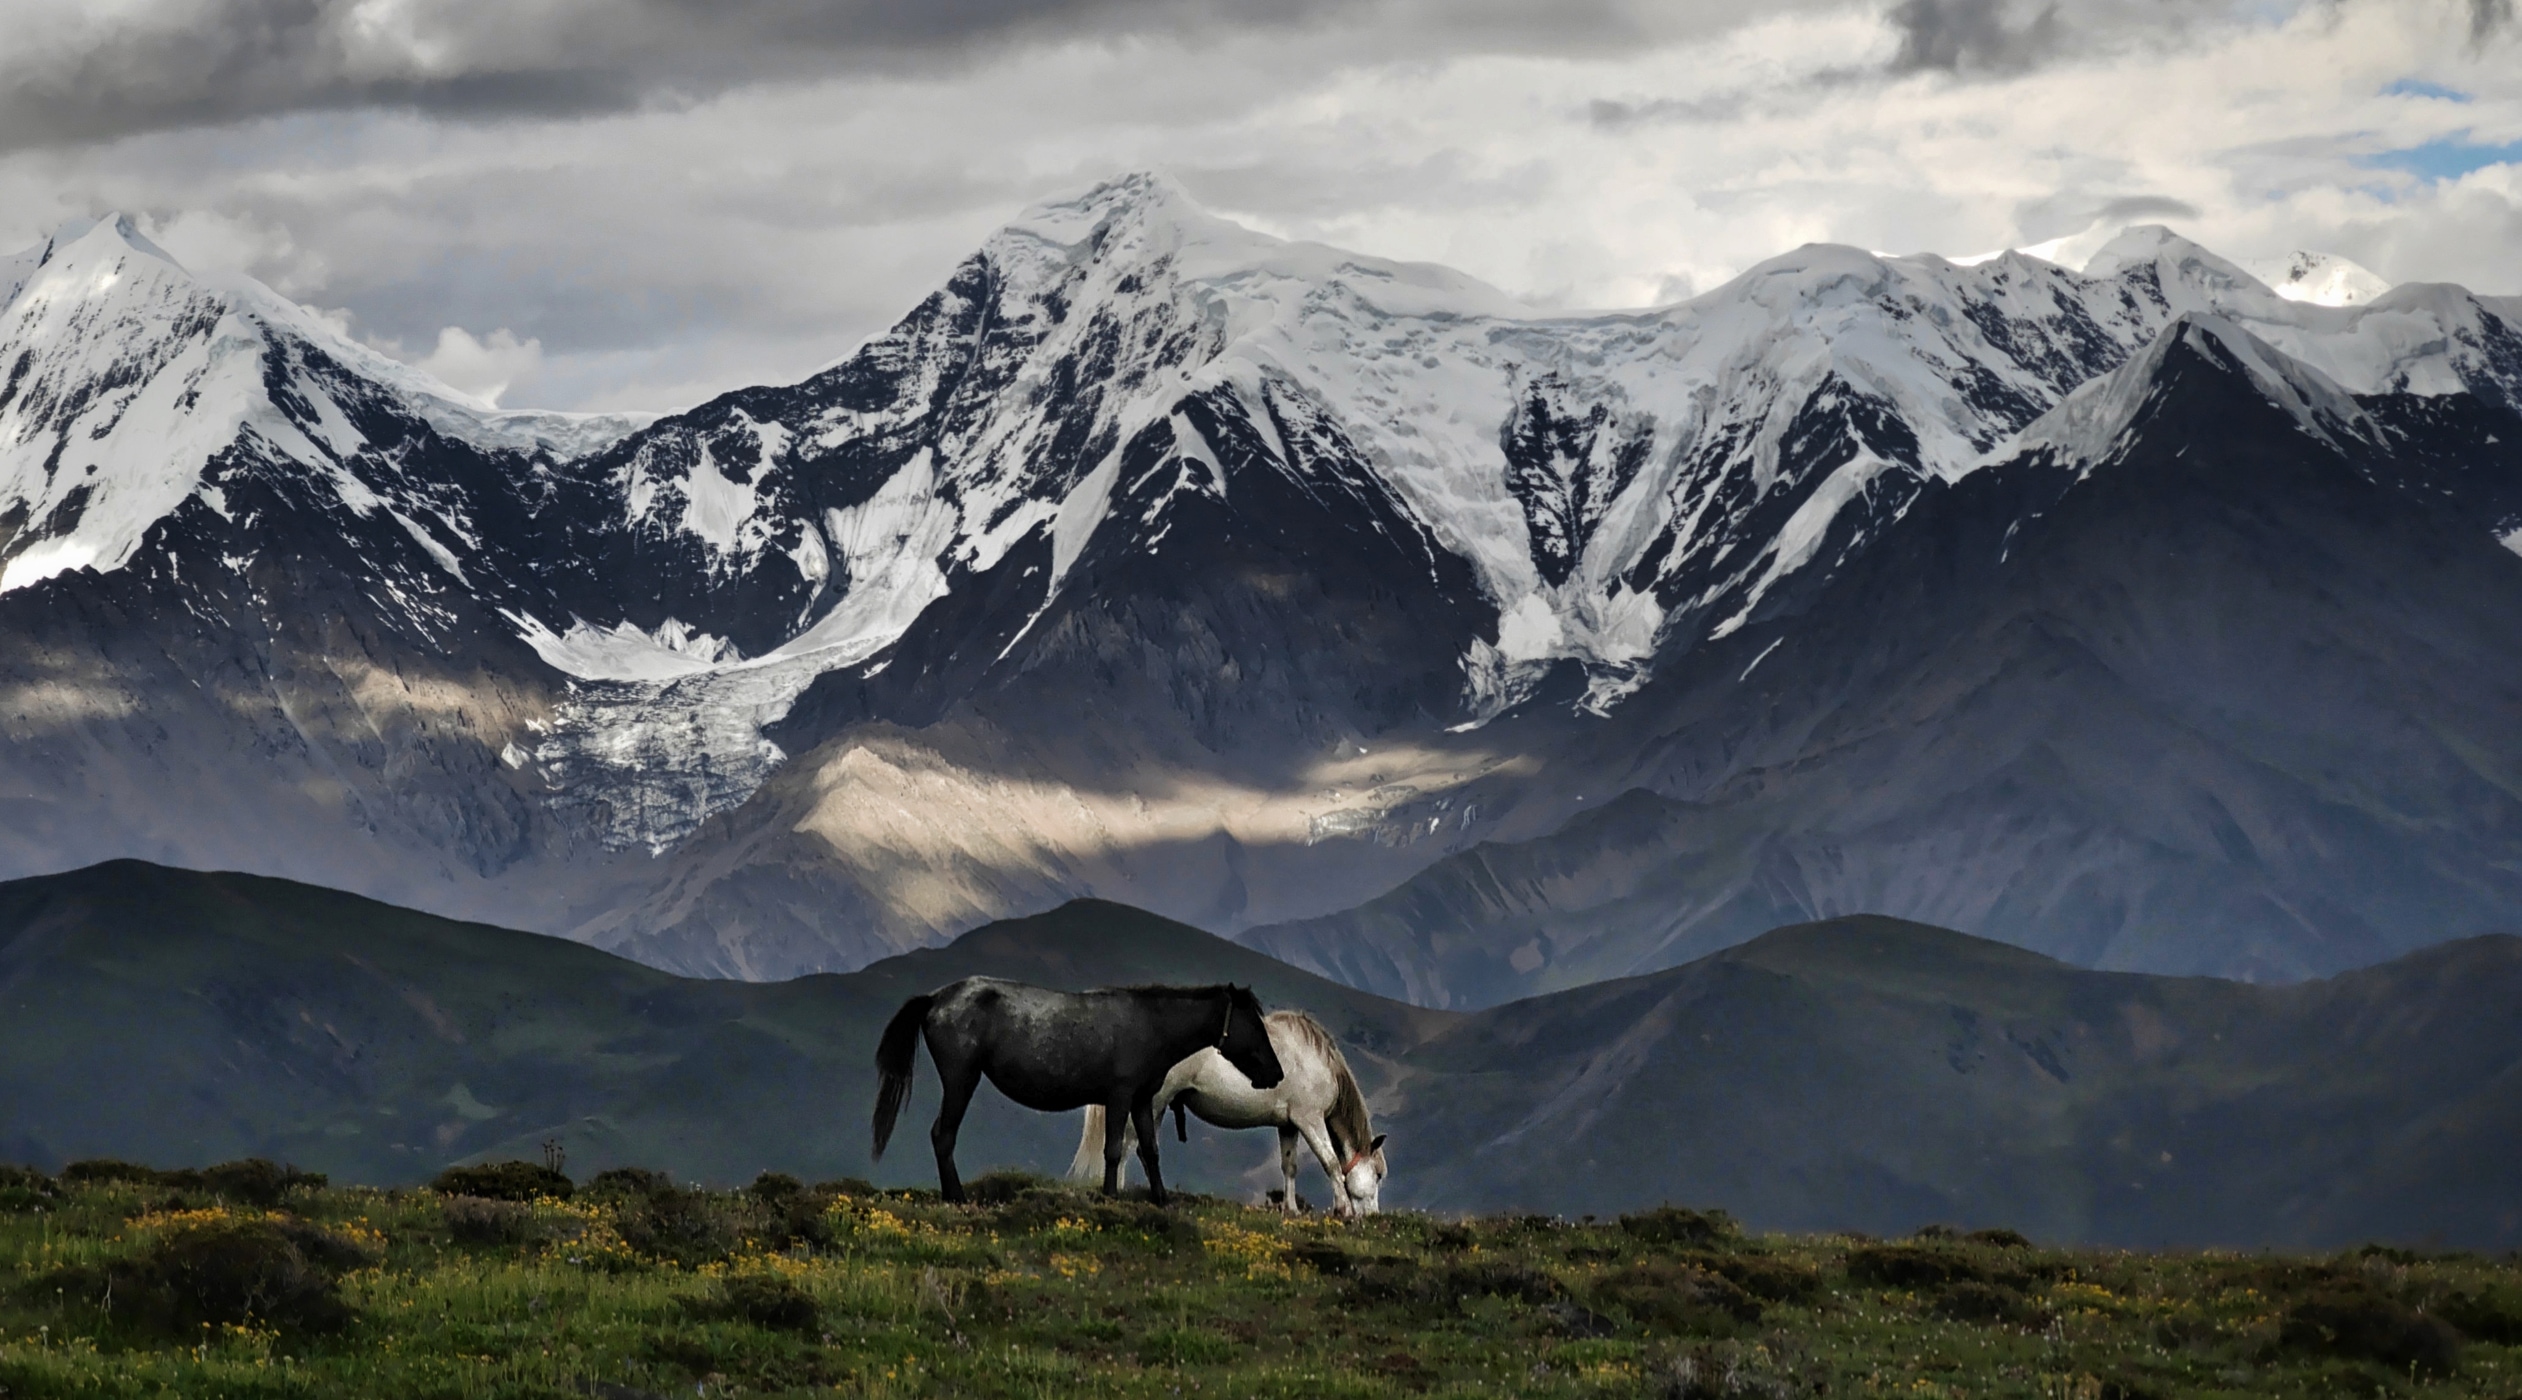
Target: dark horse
1058 1051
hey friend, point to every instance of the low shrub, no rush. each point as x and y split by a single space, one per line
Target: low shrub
1440 1290
25 1189
1672 1296
1770 1280
503 1181
483 1221
99 1170
1678 1226
2000 1238
775 1188
2492 1313
251 1181
616 1182
1973 1301
1914 1266
1000 1188
686 1227
768 1301
2359 1322
282 1274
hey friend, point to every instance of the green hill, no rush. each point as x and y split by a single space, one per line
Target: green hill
1858 1074
176 1017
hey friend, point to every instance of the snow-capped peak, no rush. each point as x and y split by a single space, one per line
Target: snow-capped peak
2091 424
2323 279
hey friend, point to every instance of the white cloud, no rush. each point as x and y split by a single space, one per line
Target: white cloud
483 367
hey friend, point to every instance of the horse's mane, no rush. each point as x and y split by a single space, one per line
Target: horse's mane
1162 989
1351 1128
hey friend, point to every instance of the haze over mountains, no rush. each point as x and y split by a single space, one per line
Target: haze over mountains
2138 615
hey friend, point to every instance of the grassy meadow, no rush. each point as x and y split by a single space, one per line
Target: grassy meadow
251 1281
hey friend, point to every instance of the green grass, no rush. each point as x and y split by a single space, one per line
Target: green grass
632 1287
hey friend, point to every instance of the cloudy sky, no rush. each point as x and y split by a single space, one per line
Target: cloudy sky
636 203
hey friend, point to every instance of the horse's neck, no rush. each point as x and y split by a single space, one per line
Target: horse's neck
1193 1023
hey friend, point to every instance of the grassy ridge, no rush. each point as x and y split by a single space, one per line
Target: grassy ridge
124 1282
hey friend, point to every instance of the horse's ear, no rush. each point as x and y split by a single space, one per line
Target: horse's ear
1377 1145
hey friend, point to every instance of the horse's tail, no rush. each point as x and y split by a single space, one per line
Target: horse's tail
1087 1165
894 1054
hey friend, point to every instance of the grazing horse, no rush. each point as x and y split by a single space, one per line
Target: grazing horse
1318 1101
1055 1051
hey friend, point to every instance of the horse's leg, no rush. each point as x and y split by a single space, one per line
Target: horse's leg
959 1086
1287 1167
1143 1118
1318 1138
1116 1145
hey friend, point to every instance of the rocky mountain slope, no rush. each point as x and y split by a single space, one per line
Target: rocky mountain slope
1247 580
2233 696
1861 1073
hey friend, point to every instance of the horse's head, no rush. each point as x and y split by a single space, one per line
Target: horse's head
1246 1045
1364 1177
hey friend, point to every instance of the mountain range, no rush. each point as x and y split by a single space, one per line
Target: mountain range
1859 1073
2136 614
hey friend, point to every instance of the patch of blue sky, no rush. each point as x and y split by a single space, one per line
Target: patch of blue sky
2447 159
2419 87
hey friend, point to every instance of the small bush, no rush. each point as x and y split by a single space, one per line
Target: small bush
482 1221
1770 1280
1324 1257
768 1301
25 1189
1000 1188
1442 1289
775 1188
99 1170
1972 1301
1675 1225
2360 1322
1672 1296
279 1274
1999 1239
2492 1313
1913 1266
502 1181
616 1182
686 1227
252 1181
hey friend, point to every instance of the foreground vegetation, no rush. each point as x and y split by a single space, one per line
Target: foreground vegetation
248 1281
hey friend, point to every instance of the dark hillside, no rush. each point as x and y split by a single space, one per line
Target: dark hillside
1863 1073
1874 1074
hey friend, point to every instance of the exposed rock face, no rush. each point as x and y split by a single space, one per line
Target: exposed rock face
1248 581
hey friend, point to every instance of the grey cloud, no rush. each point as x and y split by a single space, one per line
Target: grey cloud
1971 36
2133 208
1608 115
2488 16
179 63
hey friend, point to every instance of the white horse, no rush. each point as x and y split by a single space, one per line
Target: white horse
1317 1101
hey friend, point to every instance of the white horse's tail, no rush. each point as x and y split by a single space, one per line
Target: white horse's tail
1087 1165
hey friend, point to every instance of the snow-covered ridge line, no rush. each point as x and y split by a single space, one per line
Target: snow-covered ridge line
1605 475
127 376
